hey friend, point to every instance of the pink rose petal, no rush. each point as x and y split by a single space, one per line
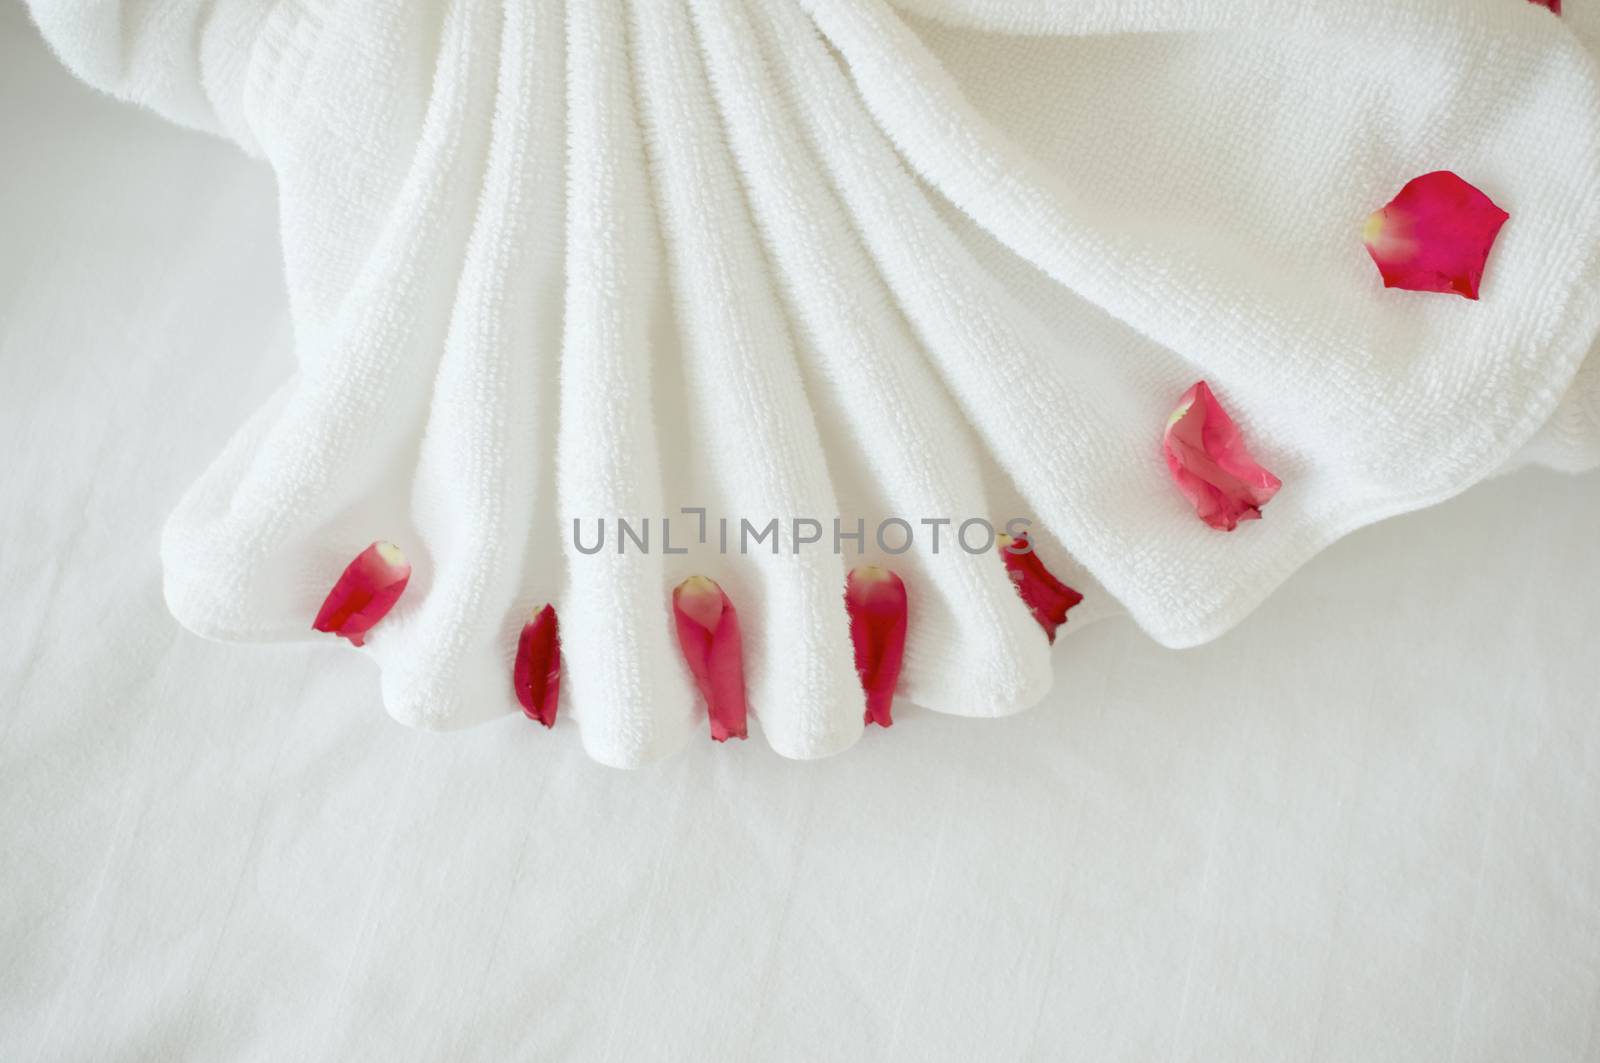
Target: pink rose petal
1210 465
708 633
536 675
367 590
1046 597
876 601
1434 236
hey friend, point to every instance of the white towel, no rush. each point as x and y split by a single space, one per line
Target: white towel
553 261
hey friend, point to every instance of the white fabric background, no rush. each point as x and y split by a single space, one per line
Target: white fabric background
1362 826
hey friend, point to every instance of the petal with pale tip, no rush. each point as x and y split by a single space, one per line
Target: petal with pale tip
364 592
1435 236
1208 462
876 601
536 675
708 635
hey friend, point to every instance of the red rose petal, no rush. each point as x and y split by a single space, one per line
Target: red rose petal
708 634
1210 465
1434 236
876 601
1553 5
537 672
1047 597
367 590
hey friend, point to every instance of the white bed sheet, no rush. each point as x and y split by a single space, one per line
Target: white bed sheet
1363 826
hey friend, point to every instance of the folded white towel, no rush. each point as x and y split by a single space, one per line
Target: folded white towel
553 261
